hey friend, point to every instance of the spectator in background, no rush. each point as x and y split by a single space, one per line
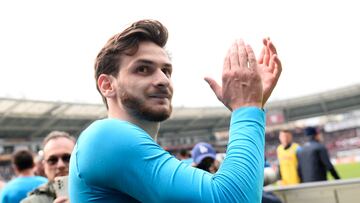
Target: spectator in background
314 160
39 166
25 181
184 156
287 157
204 157
58 146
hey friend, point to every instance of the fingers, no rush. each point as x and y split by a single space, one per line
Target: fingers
215 87
227 66
272 47
251 57
61 199
242 53
275 64
234 60
268 53
266 56
272 63
278 67
261 57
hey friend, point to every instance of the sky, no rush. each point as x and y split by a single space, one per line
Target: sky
48 48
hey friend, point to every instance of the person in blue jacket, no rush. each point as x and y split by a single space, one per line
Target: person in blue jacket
25 181
117 159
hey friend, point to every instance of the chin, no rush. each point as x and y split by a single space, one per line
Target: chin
159 116
156 114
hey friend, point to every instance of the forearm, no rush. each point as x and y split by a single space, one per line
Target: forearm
242 169
334 173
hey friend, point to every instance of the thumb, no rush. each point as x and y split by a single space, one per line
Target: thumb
215 87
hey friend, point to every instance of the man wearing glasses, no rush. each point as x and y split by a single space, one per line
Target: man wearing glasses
58 146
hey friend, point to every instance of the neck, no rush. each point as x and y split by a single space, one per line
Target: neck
26 173
152 128
286 146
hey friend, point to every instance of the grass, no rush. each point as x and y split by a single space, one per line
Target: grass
347 171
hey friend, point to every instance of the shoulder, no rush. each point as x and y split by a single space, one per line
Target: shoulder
110 134
44 190
108 128
43 194
41 198
112 138
10 185
322 147
296 146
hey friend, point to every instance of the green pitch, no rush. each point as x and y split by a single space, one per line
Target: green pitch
347 171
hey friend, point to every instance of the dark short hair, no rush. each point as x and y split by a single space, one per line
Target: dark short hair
23 159
184 152
57 134
285 131
127 43
310 131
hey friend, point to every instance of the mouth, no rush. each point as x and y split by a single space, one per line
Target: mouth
160 96
62 173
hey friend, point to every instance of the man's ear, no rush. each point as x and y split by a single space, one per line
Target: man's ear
105 85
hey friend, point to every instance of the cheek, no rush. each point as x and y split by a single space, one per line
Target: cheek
48 169
171 88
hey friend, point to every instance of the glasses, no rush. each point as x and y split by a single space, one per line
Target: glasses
52 160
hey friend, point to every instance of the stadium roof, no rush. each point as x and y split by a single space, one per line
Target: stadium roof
28 119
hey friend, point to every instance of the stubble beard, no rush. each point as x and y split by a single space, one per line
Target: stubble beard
138 108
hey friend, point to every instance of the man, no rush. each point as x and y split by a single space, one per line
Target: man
58 146
314 160
287 157
25 181
184 156
117 160
204 157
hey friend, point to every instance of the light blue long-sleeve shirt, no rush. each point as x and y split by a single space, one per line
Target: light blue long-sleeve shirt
116 161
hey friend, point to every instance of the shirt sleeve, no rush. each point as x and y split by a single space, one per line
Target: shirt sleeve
324 157
326 161
119 156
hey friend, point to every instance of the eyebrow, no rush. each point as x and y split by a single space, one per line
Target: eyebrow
148 62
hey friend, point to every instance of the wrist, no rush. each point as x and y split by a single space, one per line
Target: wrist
249 104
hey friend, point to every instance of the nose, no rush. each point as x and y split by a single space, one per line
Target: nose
60 164
162 80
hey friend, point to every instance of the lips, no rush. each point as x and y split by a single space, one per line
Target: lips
62 173
160 96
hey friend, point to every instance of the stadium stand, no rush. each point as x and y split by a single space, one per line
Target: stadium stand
23 123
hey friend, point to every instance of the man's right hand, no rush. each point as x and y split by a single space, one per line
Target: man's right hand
241 80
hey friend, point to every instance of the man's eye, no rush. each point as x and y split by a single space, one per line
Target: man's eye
143 69
167 72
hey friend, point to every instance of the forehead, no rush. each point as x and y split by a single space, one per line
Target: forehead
58 145
285 134
147 51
